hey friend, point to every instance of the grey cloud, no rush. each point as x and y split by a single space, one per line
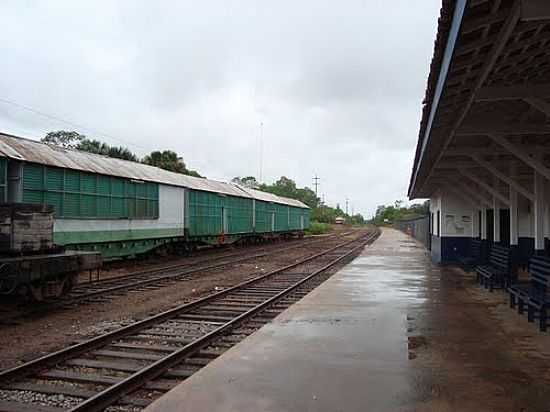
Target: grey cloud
338 85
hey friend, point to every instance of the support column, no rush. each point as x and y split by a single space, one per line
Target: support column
483 223
496 220
514 238
496 213
513 217
538 208
475 222
484 241
514 228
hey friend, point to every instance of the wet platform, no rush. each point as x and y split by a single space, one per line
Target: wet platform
389 332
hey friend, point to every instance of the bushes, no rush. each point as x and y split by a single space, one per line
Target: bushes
317 228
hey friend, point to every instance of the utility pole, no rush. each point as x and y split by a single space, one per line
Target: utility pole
347 201
316 183
323 199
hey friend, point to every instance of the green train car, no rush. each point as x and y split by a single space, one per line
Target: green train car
121 208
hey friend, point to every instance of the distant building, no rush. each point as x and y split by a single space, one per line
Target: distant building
340 220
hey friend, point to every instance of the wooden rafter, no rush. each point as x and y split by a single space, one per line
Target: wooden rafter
485 128
472 193
502 176
499 44
491 93
522 154
539 104
493 191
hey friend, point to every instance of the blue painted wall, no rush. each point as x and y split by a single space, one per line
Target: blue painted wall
445 249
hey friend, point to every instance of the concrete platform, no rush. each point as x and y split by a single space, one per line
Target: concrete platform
341 348
389 332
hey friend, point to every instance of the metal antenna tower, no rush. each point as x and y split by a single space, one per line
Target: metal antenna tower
261 150
316 183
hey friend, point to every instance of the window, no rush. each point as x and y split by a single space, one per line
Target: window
75 194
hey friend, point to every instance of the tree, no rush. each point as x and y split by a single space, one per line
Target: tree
287 188
166 159
95 146
169 160
64 138
75 140
397 211
248 181
357 219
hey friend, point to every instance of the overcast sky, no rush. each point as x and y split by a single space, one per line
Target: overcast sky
338 85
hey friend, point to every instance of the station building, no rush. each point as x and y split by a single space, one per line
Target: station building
483 153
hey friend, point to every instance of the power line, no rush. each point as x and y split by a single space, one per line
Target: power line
70 123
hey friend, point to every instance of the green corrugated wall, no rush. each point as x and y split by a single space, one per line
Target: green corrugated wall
205 210
75 194
295 218
239 214
286 217
306 213
264 212
281 217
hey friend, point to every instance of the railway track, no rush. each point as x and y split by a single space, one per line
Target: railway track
150 279
126 369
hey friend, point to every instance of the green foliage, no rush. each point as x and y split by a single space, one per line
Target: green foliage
169 160
95 146
75 140
325 214
386 214
357 219
63 138
248 181
166 159
287 188
317 228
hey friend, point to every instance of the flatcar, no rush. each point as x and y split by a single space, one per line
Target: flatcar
123 209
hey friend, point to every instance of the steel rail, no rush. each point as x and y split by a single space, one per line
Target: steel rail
73 298
54 358
154 270
133 382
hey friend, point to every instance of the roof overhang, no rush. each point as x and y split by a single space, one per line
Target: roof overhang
488 91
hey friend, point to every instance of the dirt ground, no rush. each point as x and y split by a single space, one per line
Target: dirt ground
40 335
117 268
474 353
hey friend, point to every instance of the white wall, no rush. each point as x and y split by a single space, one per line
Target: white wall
456 216
171 216
435 206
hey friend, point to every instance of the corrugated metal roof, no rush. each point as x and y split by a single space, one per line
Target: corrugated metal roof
270 197
297 203
37 152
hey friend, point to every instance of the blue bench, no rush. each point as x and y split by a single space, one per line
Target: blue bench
519 291
538 300
474 258
496 274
